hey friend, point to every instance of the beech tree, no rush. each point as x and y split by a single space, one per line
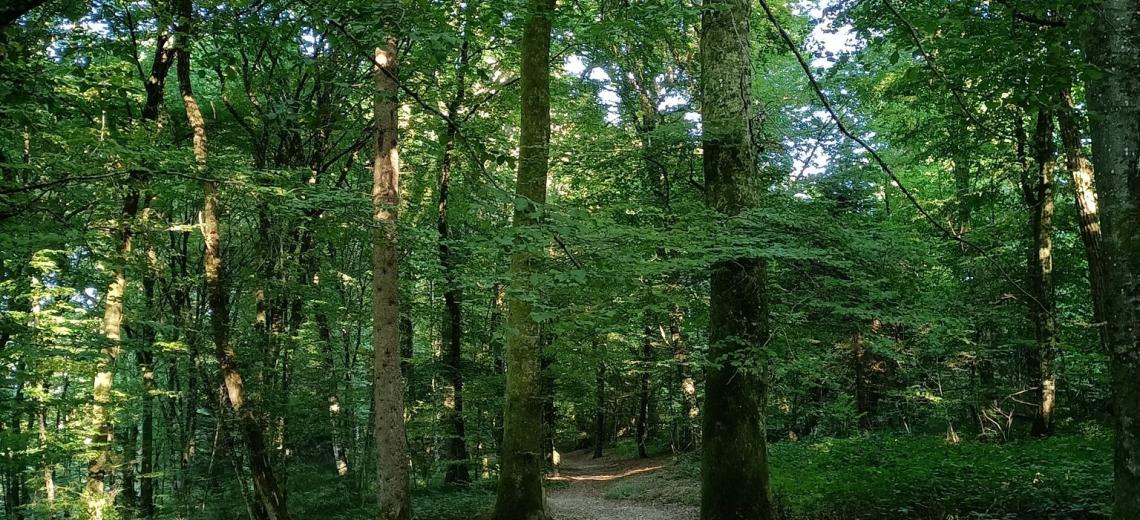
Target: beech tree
1114 99
520 494
734 469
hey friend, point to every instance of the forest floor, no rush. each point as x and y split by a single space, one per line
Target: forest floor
583 482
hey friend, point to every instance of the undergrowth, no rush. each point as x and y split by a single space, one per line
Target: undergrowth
887 477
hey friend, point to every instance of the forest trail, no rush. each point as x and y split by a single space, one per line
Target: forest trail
582 497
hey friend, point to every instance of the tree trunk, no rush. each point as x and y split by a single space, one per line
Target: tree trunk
599 407
734 469
96 495
1088 214
646 364
1039 197
394 490
687 383
265 483
1114 99
457 466
520 494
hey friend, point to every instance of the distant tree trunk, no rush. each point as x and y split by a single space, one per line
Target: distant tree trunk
599 406
1084 190
690 405
457 466
859 365
643 372
394 490
47 468
97 497
520 494
734 469
1039 197
1114 100
155 87
265 483
546 391
498 303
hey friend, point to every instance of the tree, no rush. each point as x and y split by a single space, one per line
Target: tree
520 494
1114 100
734 468
1038 186
393 492
265 482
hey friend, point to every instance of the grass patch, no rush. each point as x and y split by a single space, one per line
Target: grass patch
887 477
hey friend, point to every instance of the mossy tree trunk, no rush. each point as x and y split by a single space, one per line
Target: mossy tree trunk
520 480
734 480
1114 100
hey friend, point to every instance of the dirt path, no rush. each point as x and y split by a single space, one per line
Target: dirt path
582 497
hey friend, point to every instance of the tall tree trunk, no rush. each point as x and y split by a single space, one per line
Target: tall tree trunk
734 469
96 495
457 466
1114 99
217 293
394 490
1088 215
1039 197
520 481
145 360
155 87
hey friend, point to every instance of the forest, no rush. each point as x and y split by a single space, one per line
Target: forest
570 260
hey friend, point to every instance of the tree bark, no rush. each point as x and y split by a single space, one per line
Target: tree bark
1039 197
734 469
642 423
1114 99
394 490
1084 190
265 483
457 465
690 404
520 495
599 404
96 496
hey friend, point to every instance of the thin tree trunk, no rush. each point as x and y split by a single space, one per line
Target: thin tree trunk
265 483
599 405
97 497
1084 190
145 361
47 468
394 490
519 494
734 469
642 423
1114 100
457 466
1039 197
690 405
155 87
